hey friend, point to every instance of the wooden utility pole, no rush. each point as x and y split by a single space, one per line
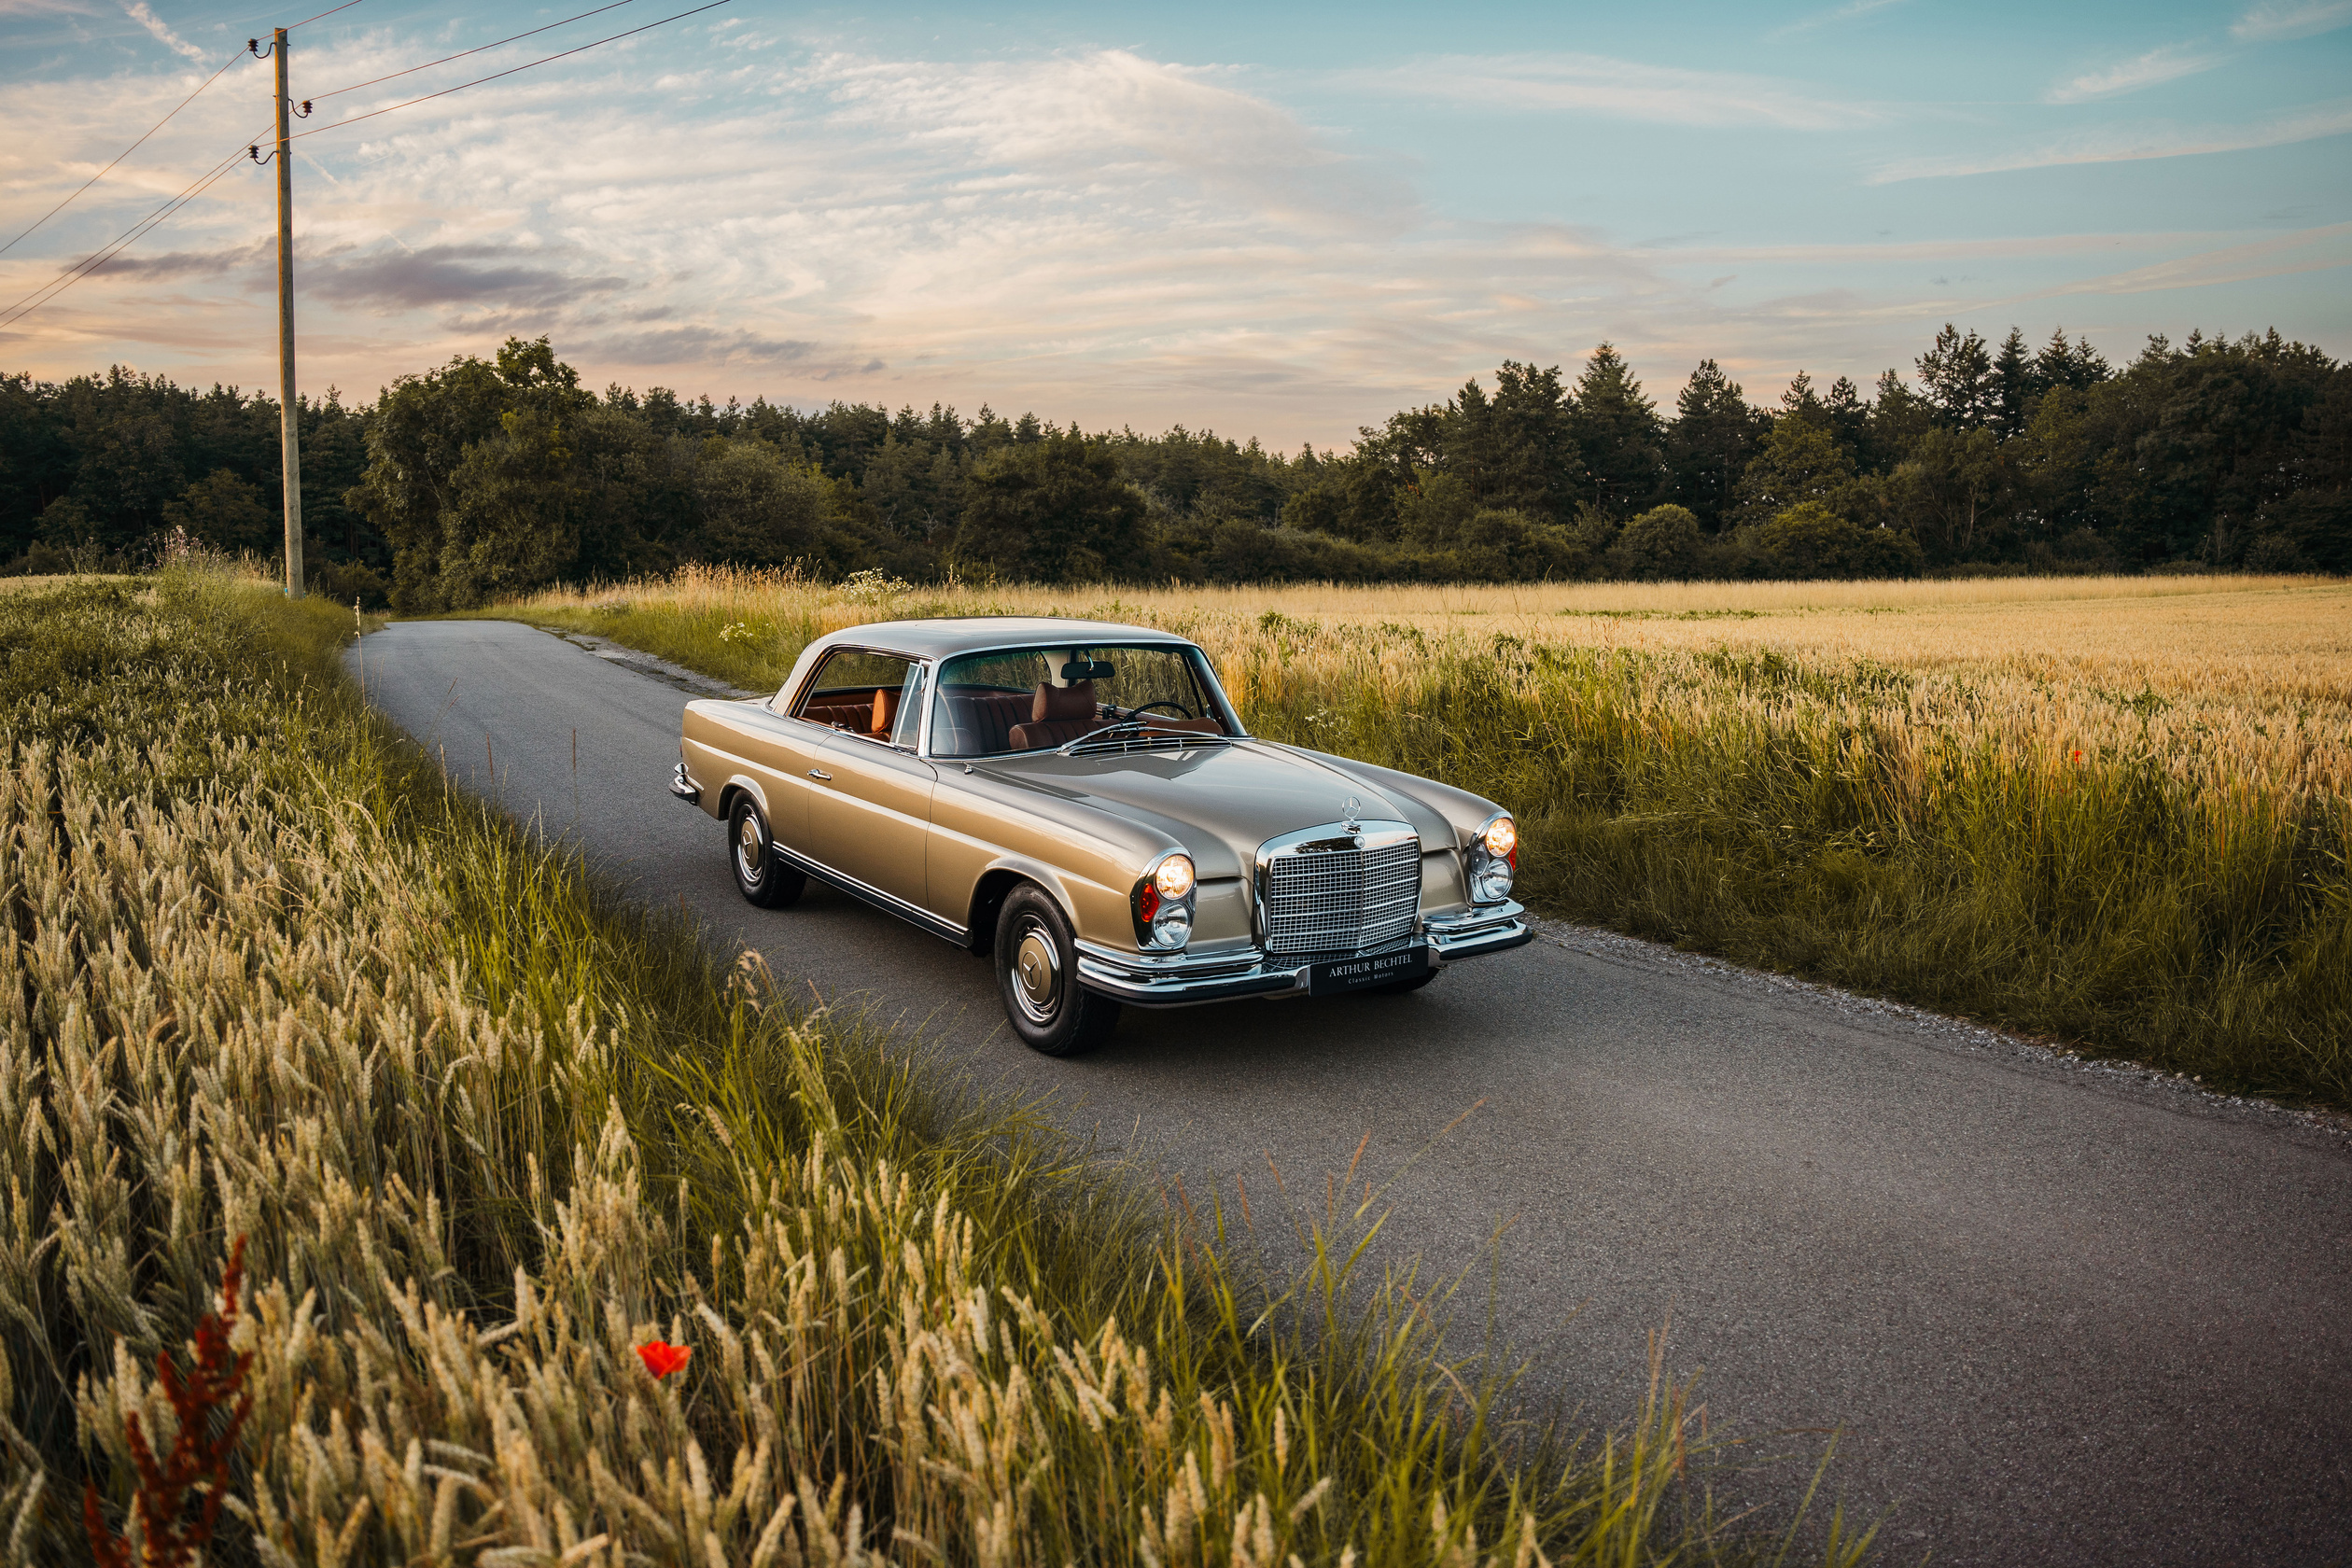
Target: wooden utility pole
289 435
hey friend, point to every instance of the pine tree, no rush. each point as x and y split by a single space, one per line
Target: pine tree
2013 386
1708 446
2076 365
1849 416
1898 417
1801 401
1616 431
1958 374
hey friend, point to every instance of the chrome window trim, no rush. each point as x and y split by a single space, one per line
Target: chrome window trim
1377 834
807 687
1206 670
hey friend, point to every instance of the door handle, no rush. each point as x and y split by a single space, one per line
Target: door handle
820 773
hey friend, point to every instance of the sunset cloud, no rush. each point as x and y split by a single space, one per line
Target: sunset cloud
1106 233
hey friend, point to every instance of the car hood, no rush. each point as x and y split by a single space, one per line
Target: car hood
1221 802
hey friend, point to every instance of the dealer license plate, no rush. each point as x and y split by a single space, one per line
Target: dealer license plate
1355 975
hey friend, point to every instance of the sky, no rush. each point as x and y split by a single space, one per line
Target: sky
1275 221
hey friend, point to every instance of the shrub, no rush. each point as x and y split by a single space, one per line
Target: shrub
1661 543
1811 540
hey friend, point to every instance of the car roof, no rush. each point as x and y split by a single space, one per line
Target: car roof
948 636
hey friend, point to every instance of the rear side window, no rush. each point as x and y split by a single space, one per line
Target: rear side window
863 692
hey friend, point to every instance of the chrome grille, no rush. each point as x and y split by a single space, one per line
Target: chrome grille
1327 896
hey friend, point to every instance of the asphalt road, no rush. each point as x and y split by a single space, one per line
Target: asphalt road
2062 1314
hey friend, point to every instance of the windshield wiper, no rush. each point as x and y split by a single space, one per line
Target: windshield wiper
1109 735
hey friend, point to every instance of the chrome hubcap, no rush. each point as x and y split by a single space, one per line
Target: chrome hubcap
1036 974
751 848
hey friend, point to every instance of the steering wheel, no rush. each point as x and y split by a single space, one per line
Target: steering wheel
1182 711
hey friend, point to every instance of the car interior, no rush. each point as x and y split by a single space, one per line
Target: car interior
1072 695
862 693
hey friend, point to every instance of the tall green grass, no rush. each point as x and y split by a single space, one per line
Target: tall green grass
1802 819
484 1133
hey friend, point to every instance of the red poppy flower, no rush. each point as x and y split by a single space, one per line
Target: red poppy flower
2078 756
661 1359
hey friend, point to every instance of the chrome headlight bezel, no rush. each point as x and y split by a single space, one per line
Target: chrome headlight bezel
1490 873
1164 920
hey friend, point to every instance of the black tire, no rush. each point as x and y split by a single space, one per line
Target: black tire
1037 975
760 875
1402 987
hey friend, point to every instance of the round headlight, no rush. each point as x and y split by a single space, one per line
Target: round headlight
1491 882
1174 879
1502 838
1172 926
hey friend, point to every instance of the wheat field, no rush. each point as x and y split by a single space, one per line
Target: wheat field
2112 810
562 1246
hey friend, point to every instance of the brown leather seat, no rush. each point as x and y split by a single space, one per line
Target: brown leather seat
1058 716
835 714
980 724
885 708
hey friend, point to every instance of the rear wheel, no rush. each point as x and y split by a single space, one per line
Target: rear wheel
760 875
1037 972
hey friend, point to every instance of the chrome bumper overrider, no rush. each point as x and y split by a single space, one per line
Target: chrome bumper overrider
683 787
1181 979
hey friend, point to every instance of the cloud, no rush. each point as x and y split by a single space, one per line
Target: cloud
190 263
138 11
718 345
1621 89
1094 234
1828 18
2311 250
2169 64
445 274
2128 146
2290 19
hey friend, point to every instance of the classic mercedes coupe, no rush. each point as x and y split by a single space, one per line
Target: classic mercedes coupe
1079 799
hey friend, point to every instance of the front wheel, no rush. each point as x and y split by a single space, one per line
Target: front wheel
760 873
1037 972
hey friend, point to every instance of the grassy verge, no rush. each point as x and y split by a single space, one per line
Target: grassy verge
483 1135
2109 838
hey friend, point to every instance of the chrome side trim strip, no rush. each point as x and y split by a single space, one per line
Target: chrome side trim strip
890 904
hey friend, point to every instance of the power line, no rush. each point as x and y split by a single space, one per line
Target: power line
192 97
320 97
99 258
129 150
461 87
41 296
323 15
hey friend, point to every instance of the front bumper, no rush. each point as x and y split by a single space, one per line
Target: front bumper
683 785
1183 979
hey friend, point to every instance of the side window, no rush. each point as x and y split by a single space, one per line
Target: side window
859 691
910 713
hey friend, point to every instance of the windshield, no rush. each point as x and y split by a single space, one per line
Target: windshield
1030 699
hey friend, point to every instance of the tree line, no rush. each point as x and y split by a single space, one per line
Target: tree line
492 476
